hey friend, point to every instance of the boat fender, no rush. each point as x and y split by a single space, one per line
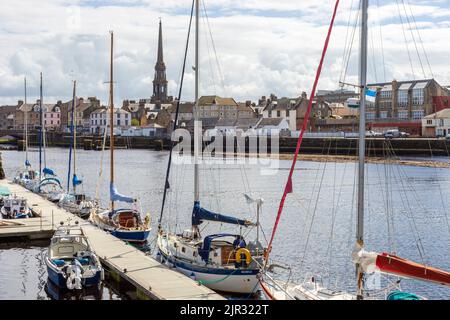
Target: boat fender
248 256
74 277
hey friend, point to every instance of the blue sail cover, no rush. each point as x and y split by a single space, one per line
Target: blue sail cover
116 196
48 171
199 215
76 181
27 163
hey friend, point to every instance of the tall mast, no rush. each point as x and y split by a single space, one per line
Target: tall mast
111 120
362 142
196 116
26 124
74 126
41 131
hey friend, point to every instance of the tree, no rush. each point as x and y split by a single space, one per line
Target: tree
135 123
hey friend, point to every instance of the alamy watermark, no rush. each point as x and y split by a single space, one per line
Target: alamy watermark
227 147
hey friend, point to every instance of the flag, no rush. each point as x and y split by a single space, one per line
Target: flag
289 186
371 95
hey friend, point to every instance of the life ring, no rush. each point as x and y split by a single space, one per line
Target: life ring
248 255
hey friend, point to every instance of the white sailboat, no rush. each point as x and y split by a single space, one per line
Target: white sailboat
127 223
28 177
366 262
75 202
224 262
49 185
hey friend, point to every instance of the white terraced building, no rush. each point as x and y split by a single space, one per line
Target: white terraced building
99 120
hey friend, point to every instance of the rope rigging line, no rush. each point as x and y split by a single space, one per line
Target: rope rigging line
413 38
406 40
349 50
288 187
420 38
381 40
175 124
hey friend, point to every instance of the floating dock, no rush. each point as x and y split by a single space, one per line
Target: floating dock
151 279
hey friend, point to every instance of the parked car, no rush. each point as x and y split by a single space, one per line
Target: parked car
372 133
447 137
389 134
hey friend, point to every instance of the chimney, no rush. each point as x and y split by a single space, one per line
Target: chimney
248 103
304 95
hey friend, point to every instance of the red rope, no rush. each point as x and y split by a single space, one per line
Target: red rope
288 187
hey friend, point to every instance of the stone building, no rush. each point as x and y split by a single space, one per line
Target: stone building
100 120
7 115
83 109
403 104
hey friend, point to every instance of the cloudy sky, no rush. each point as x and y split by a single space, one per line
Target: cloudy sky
260 46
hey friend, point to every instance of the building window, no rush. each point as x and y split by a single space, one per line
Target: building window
403 114
278 114
386 94
418 96
370 116
419 114
429 121
383 115
402 98
287 113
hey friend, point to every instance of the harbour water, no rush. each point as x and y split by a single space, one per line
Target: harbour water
406 213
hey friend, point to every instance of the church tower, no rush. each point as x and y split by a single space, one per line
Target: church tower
160 81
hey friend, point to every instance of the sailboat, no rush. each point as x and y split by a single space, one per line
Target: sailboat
49 185
223 262
126 224
366 262
75 202
28 177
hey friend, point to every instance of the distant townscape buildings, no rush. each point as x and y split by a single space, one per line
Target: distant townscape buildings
419 107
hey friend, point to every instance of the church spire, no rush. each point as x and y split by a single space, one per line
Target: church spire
160 81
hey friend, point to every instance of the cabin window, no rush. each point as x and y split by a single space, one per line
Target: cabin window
175 245
194 253
216 254
183 249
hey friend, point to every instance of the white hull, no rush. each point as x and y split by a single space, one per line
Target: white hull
221 279
306 291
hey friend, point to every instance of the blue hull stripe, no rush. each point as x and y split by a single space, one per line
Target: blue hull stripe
131 235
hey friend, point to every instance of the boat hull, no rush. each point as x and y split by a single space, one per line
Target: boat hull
57 278
136 236
83 212
219 279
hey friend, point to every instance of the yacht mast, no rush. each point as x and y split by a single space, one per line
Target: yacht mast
111 120
26 124
362 142
196 112
74 126
41 131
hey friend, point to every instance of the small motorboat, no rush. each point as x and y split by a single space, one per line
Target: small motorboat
77 204
15 208
70 262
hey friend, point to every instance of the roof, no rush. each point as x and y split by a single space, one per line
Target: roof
247 123
216 100
405 86
270 122
444 113
185 107
226 123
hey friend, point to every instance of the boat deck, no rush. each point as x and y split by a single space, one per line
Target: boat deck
151 279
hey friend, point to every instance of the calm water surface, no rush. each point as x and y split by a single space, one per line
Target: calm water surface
406 212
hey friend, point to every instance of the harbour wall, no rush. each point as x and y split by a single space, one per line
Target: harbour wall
379 147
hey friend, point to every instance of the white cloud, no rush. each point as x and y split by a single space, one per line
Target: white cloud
263 46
